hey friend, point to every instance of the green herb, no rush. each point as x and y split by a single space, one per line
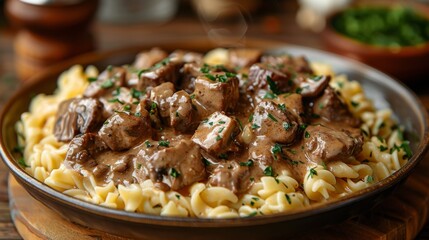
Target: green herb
21 162
148 144
252 179
252 214
293 151
272 117
369 179
164 143
140 72
153 107
251 118
136 93
211 123
406 147
117 91
316 78
109 68
192 96
313 172
139 165
221 129
255 126
354 104
206 162
276 148
138 114
91 79
244 75
272 85
303 126
240 126
286 126
107 84
324 166
249 163
221 122
113 100
270 95
298 90
218 138
282 107
288 199
127 108
106 122
222 78
178 196
268 171
321 106
252 203
174 173
205 69
364 132
382 148
306 134
18 149
211 77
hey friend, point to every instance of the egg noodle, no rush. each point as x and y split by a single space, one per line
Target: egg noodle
379 158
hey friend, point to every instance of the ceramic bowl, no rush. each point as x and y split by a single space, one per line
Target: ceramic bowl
408 64
385 92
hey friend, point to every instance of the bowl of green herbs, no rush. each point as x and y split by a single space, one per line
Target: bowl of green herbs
389 36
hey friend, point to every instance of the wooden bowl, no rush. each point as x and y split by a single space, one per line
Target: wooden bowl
385 92
409 64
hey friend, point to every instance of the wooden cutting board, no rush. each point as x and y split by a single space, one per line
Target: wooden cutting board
400 216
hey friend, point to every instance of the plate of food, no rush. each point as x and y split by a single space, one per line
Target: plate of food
186 140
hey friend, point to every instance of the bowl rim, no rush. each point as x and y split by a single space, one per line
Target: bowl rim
374 50
24 178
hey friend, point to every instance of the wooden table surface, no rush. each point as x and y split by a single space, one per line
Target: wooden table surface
270 24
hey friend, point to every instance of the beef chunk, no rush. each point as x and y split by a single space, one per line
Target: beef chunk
292 102
147 59
332 108
160 95
232 176
216 92
216 133
327 144
177 164
266 77
122 131
190 71
119 99
311 86
288 64
107 81
83 151
243 57
183 117
164 71
274 121
78 115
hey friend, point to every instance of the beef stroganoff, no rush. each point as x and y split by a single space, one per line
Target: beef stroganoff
232 133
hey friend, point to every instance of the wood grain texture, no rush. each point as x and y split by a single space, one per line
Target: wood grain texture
400 216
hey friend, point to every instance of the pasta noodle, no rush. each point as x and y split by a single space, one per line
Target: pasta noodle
380 157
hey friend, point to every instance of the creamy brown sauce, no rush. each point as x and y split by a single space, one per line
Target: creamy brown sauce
178 121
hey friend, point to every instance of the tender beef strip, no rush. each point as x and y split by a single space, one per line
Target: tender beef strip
82 154
243 57
186 57
183 116
265 77
164 71
292 102
288 64
332 108
232 176
277 123
122 131
177 164
107 81
326 144
216 133
118 100
160 95
311 86
78 115
215 92
147 59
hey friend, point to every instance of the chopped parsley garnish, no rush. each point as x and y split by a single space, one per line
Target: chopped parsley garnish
364 132
288 199
270 95
211 77
306 134
218 138
107 84
251 118
153 107
272 117
276 148
109 68
382 148
140 72
303 126
148 144
268 171
240 126
21 162
252 214
136 93
313 172
298 90
324 166
249 163
255 126
316 78
286 125
206 162
369 179
91 79
139 165
354 104
230 74
222 78
205 69
117 91
192 96
18 149
174 173
138 114
113 100
221 129
321 106
406 147
282 107
221 122
178 196
272 85
164 143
